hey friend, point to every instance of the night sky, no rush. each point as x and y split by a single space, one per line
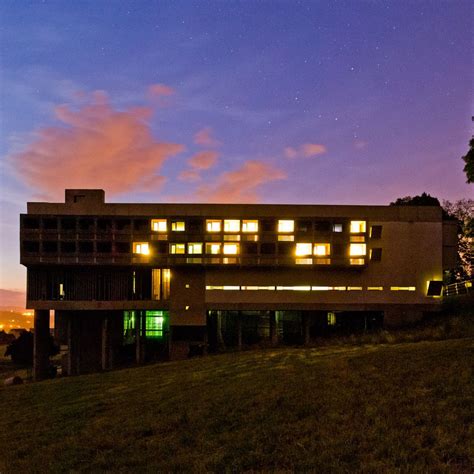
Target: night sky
354 102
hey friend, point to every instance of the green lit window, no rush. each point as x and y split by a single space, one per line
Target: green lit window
155 324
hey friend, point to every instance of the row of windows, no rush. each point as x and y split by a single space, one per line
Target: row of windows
306 288
233 248
163 225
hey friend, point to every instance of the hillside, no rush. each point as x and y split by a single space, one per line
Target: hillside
372 408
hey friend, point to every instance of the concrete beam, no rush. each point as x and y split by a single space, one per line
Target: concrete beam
41 345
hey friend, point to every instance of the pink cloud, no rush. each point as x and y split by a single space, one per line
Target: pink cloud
306 150
204 138
241 185
203 160
159 90
95 146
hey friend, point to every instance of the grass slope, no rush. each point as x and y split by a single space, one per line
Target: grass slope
374 408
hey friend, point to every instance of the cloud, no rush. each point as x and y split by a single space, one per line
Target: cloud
360 144
241 185
95 146
203 160
204 138
159 90
306 150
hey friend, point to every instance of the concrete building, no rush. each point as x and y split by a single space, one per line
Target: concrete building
158 281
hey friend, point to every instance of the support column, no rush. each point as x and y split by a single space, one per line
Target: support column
72 344
41 345
273 328
239 330
306 318
106 343
140 333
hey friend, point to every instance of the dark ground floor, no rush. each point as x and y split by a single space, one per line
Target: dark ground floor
91 341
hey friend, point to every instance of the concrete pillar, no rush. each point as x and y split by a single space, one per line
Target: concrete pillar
273 328
106 343
41 345
140 336
239 330
306 319
72 344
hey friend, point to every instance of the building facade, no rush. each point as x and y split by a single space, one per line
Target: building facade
159 281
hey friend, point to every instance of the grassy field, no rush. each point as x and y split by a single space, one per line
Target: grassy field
396 408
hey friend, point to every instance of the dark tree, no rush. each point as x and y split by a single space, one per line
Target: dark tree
423 200
469 160
21 349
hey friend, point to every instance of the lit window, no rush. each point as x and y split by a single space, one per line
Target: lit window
340 288
159 225
231 249
232 237
141 248
258 288
303 250
178 248
337 228
331 319
354 288
304 261
357 261
249 226
286 238
213 225
213 248
293 288
231 225
286 226
321 288
357 227
402 288
357 238
375 288
321 250
213 287
322 261
356 250
178 226
231 288
195 248
154 324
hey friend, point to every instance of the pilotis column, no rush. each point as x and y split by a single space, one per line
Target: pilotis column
41 345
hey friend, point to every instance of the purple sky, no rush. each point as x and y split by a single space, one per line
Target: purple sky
267 101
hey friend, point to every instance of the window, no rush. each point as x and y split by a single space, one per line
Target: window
155 321
232 237
357 249
293 288
249 226
141 248
357 227
357 261
303 250
159 225
354 288
375 288
322 261
286 226
195 248
403 288
231 249
213 225
213 248
178 226
231 225
435 288
376 255
321 288
337 228
376 232
286 238
331 319
178 249
357 238
321 250
165 287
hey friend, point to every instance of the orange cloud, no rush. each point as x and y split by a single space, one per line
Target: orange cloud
305 151
204 138
159 90
95 146
241 185
203 160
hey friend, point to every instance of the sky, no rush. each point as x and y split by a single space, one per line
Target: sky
324 102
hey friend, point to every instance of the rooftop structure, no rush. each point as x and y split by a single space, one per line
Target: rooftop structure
151 281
